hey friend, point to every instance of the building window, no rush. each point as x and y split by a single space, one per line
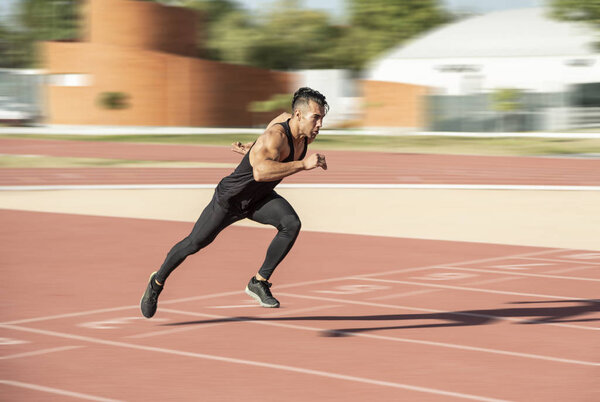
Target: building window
70 80
458 68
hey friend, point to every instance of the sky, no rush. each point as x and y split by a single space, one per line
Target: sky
337 7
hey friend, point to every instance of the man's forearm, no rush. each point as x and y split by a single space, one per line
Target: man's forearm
269 170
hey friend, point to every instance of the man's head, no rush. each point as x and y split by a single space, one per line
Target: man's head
309 107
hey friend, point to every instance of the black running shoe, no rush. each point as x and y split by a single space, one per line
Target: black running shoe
150 298
259 290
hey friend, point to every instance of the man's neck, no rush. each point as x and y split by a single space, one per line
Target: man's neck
295 130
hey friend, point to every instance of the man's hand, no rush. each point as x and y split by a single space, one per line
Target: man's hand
240 148
315 161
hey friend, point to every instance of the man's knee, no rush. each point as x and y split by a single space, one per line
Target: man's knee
290 224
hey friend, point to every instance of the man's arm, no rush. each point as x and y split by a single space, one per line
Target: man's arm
265 156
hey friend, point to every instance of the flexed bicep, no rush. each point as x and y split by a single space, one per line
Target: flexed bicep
265 152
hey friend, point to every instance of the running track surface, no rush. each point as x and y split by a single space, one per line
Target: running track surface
344 166
362 317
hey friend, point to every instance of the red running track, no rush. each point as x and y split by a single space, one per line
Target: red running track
344 166
362 318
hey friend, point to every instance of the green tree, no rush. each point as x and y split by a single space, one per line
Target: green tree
213 10
232 38
507 101
50 19
290 37
378 25
585 11
16 48
37 20
577 10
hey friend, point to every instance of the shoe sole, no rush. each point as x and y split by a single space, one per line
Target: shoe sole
255 297
143 297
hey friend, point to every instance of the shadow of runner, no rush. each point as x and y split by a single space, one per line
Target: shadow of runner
535 315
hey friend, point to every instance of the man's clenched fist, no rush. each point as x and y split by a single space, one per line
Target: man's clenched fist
314 161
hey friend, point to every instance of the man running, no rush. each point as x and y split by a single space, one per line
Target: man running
248 192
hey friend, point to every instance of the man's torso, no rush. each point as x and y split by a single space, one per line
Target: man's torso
240 192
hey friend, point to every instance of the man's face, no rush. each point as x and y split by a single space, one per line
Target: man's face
310 119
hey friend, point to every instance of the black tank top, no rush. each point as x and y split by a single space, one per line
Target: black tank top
239 191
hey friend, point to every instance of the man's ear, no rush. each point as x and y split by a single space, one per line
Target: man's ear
297 114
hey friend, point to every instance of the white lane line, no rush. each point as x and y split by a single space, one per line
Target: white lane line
502 292
39 352
395 186
300 310
69 315
413 293
193 298
489 259
336 279
428 310
238 306
166 302
491 271
282 367
564 261
394 339
484 282
191 327
169 331
57 391
571 269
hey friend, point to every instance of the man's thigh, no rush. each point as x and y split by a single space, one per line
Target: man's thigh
213 219
271 210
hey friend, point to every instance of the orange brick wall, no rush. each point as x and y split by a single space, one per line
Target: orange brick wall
391 104
141 24
164 89
146 50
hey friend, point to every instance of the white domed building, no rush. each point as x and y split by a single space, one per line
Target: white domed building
522 49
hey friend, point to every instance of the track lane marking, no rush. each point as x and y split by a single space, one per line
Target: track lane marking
428 310
39 352
391 338
413 293
563 261
231 293
282 367
491 271
184 329
57 391
452 287
477 261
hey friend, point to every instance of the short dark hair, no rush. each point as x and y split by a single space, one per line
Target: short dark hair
305 94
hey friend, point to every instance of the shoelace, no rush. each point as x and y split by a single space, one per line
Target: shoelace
266 286
153 296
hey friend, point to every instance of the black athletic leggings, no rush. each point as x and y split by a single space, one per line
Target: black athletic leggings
273 210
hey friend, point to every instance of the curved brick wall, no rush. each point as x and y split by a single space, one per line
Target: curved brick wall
143 49
143 25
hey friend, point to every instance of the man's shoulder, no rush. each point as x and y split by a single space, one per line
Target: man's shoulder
274 135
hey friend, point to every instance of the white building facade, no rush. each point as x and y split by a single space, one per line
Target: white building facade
520 48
